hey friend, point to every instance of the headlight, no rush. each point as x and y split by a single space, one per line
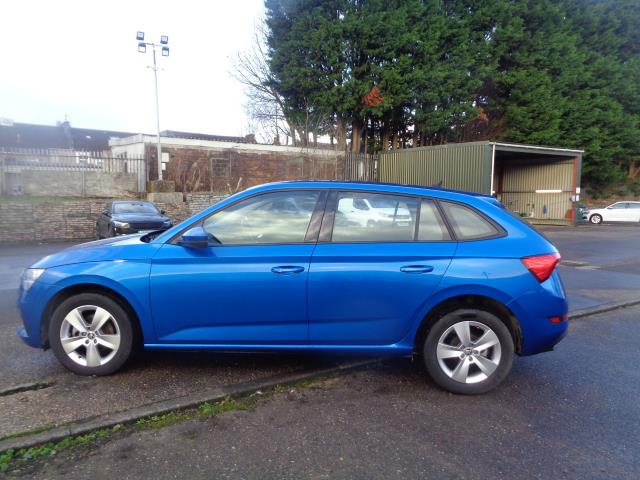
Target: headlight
120 224
166 223
29 276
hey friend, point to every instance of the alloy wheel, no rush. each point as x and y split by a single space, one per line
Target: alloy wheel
469 352
90 335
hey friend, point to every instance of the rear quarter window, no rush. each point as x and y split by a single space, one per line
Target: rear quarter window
467 223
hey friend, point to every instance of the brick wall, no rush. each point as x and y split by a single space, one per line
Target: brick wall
76 220
200 169
199 201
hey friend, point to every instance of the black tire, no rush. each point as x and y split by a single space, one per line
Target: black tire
117 314
481 318
596 219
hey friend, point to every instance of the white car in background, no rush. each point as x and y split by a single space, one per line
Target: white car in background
369 212
617 212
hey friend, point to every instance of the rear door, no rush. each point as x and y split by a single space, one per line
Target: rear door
368 280
633 209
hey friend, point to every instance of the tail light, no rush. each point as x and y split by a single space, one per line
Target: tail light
541 266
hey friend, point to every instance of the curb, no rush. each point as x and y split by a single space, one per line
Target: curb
179 403
607 307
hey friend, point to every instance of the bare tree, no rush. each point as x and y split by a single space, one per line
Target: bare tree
264 104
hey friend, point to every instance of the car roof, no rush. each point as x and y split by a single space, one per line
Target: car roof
381 186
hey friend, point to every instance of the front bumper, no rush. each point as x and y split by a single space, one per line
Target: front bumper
31 305
130 231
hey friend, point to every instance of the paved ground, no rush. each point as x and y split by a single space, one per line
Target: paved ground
570 414
605 263
612 272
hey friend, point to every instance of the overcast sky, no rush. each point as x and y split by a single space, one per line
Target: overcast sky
80 59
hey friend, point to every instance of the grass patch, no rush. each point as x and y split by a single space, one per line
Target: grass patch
160 421
205 409
9 458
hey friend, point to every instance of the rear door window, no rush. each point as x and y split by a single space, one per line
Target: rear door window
374 217
467 223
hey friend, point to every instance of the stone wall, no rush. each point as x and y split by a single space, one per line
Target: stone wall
65 221
75 220
61 183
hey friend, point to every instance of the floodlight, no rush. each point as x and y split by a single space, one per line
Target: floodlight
165 51
164 39
140 36
142 47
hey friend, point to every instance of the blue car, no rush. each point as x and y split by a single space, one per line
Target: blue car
340 267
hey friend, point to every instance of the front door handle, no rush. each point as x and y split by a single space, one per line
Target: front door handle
416 269
287 269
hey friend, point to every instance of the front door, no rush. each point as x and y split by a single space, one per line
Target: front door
248 287
369 280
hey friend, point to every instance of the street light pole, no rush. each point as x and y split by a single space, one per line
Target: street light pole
142 48
159 149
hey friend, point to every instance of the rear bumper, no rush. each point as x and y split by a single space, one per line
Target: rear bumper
534 310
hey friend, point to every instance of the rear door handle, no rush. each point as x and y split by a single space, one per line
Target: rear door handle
287 269
416 269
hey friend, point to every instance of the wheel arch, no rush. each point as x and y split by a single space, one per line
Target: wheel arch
79 288
478 301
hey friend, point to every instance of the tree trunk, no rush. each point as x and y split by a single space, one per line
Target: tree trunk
341 134
293 134
356 133
384 142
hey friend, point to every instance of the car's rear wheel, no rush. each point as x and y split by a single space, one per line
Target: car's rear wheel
91 334
468 351
595 219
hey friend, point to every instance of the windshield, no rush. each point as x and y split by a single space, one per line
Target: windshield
135 207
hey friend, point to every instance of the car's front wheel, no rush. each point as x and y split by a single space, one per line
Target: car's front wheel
595 219
468 351
91 334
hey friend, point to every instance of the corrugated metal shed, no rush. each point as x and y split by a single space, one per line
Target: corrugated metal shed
541 183
462 166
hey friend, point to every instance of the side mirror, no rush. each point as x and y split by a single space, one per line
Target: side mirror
195 237
162 212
